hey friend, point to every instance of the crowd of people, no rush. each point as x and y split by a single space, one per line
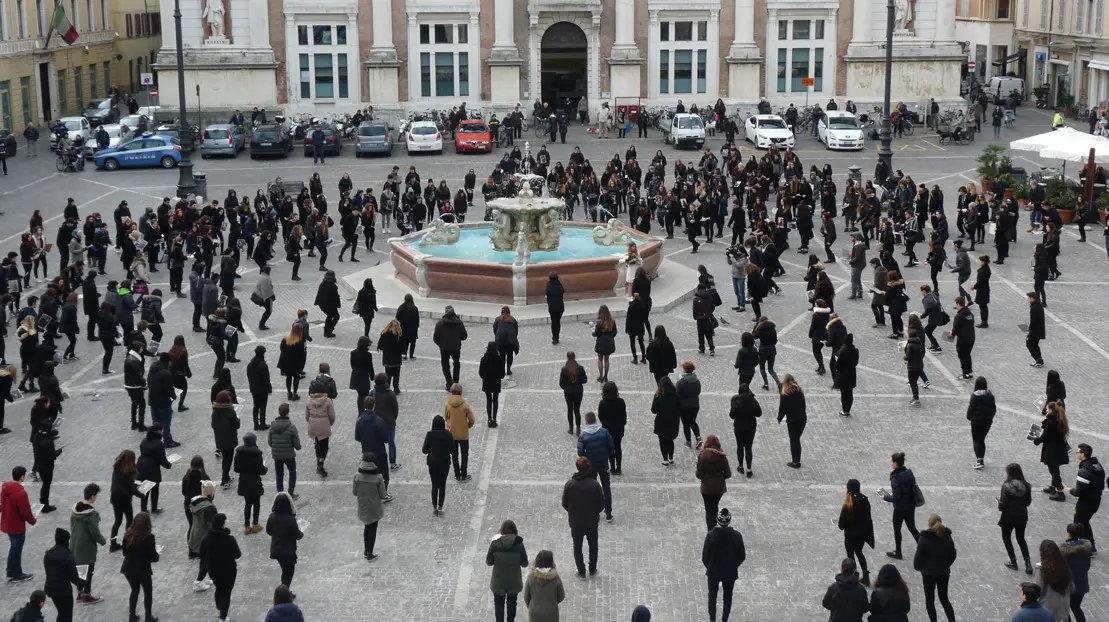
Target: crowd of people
762 200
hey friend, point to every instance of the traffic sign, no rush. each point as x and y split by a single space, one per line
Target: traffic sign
153 92
146 79
807 81
970 65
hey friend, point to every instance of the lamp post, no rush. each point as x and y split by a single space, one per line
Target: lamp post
185 183
885 133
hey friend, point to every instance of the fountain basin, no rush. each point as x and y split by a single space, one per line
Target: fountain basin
472 270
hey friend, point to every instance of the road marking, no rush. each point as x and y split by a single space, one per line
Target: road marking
1074 331
56 217
119 189
28 185
934 145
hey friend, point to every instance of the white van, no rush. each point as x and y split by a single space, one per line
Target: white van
684 130
999 87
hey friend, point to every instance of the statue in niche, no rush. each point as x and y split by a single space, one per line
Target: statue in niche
902 14
215 16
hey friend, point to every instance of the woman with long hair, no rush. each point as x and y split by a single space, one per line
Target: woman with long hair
366 306
1055 579
1055 391
1054 430
667 408
890 598
980 414
439 447
543 589
294 355
572 380
284 532
491 371
713 470
1016 496
179 365
124 472
293 246
139 552
660 355
935 553
791 407
506 333
391 345
857 524
612 412
604 333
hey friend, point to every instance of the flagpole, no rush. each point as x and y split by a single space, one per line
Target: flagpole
50 31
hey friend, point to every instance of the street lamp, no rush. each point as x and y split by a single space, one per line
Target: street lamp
885 134
185 183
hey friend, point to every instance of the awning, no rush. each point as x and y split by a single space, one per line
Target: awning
1018 55
1099 65
1056 61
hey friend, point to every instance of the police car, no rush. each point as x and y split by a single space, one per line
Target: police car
146 150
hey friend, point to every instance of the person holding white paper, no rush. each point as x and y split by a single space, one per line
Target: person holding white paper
139 552
86 538
124 472
152 459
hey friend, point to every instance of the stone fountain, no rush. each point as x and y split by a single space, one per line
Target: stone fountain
538 219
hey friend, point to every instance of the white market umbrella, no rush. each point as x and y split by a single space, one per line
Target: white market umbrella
1067 144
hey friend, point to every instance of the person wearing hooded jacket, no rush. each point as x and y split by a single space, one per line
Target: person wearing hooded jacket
369 489
250 464
203 512
319 414
449 334
889 601
284 441
935 554
61 571
1088 489
506 556
744 412
284 609
962 330
722 555
903 499
220 551
284 532
543 590
688 387
847 597
555 305
660 355
595 443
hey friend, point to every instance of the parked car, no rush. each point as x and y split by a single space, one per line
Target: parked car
473 135
137 124
270 140
222 139
100 111
423 136
115 137
74 126
332 145
840 130
174 131
146 150
768 129
372 137
684 130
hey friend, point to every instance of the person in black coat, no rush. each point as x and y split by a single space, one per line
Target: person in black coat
409 317
438 446
962 330
220 550
140 552
284 533
980 414
328 300
70 327
846 376
152 459
46 455
365 305
491 371
722 554
857 524
1037 329
225 428
660 355
106 326
791 408
123 489
251 466
935 554
571 380
361 369
90 300
555 305
847 597
744 413
635 325
1054 447
612 413
903 498
666 407
61 572
1016 496
392 346
258 378
889 601
818 332
981 289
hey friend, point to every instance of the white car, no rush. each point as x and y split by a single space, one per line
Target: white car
766 130
74 126
423 136
116 135
840 130
136 124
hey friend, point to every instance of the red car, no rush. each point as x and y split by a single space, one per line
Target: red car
473 135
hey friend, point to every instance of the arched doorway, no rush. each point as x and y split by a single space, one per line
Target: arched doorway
564 65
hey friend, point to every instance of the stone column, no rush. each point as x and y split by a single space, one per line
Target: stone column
625 60
383 67
744 59
945 20
861 25
504 59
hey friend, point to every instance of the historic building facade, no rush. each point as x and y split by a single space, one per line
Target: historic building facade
326 55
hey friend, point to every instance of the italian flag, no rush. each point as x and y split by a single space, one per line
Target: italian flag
61 24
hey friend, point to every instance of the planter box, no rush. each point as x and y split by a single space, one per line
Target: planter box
1066 215
1009 192
1102 214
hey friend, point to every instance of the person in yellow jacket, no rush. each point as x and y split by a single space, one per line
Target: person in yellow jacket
1057 122
460 418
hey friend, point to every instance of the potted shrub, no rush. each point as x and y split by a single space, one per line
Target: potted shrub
1021 193
989 164
1010 184
1103 206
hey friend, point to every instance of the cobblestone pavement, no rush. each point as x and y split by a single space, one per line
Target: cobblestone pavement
433 568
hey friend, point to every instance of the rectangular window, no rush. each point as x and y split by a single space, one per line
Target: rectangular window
463 33
107 78
157 21
88 12
1043 14
341 35
344 88
1080 16
782 63
425 34
800 69
444 33
40 13
683 31
3 21
818 70
78 88
800 29
20 19
664 71
63 101
702 70
664 31
104 13
6 104
25 98
321 35
964 8
1098 11
463 72
818 30
1024 14
130 27
444 74
425 74
92 80
325 76
683 71
1062 25
305 77
74 16
302 34
1002 9
783 30
702 31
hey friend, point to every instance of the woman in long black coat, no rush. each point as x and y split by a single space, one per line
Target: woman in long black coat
366 303
756 289
667 409
981 290
1053 447
250 466
847 360
152 459
857 524
328 300
895 302
556 305
491 371
391 345
642 285
409 317
660 355
361 370
294 355
635 325
571 380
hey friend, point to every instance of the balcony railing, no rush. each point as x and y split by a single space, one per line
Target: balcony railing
10 48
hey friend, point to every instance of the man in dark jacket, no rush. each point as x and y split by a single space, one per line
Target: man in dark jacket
1037 329
583 499
161 394
449 334
722 555
91 302
962 267
61 571
317 139
134 381
371 432
32 611
846 598
258 377
324 383
595 443
196 295
1090 484
962 330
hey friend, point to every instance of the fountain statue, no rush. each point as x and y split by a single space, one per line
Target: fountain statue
611 234
441 232
536 219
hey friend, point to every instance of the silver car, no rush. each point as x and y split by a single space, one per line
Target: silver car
372 137
222 139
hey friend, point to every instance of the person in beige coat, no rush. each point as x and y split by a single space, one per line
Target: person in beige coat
543 589
319 411
460 418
